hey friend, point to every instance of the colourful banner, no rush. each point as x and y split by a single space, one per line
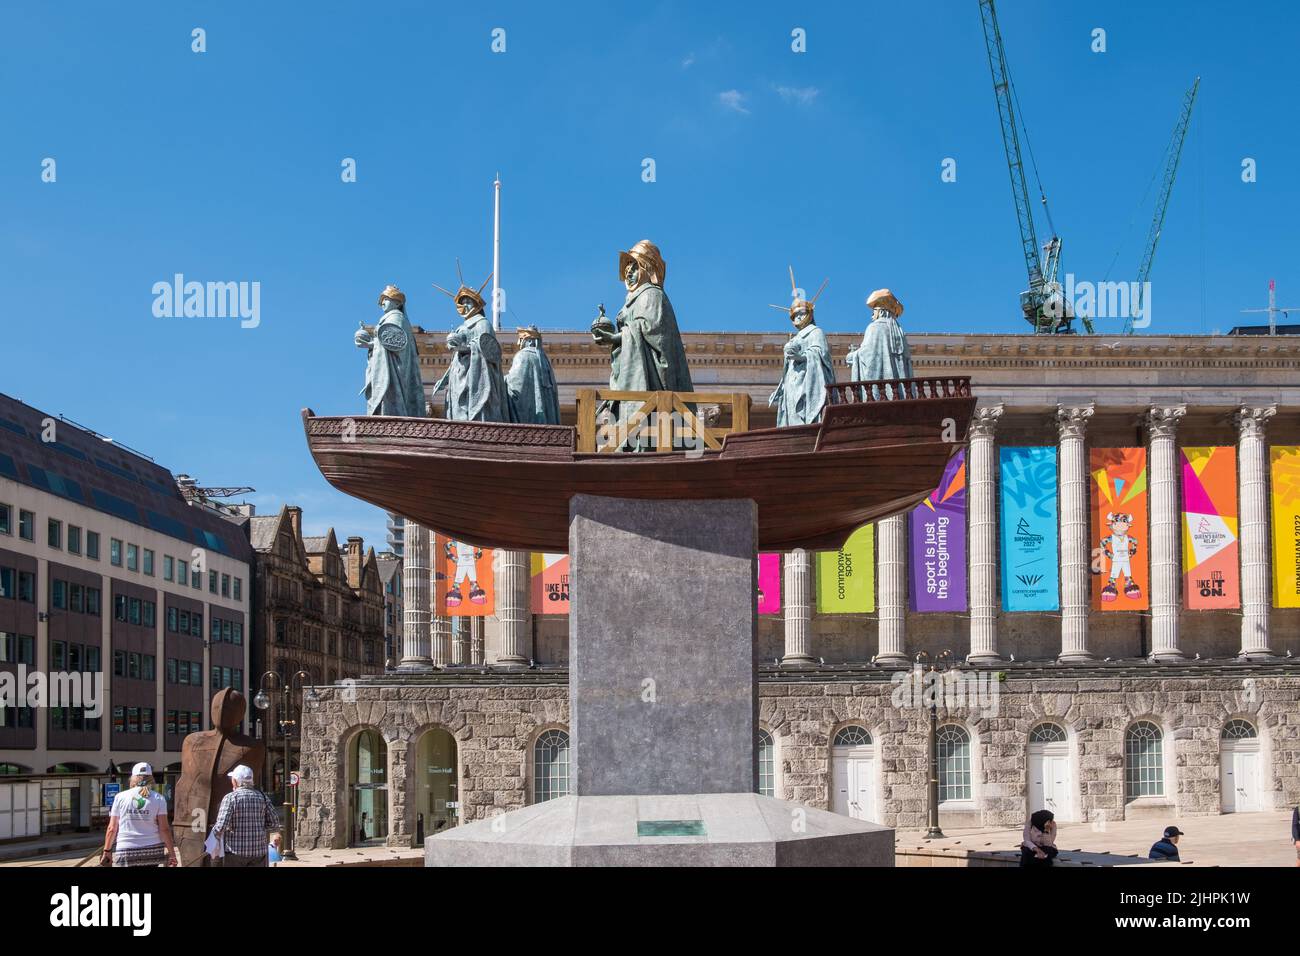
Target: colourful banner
1210 545
550 580
463 578
938 532
1120 542
769 584
1286 525
846 579
1031 571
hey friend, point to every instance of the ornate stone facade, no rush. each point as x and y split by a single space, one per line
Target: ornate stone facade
497 723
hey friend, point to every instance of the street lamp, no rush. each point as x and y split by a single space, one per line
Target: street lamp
262 701
936 667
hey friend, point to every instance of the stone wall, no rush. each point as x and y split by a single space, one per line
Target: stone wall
496 724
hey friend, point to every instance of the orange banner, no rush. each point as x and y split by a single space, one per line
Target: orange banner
1120 539
463 580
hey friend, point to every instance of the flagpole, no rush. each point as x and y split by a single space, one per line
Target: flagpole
496 255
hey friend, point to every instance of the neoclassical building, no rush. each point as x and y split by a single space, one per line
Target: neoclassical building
1174 707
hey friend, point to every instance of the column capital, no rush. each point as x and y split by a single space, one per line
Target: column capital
1072 420
1161 421
985 421
1252 419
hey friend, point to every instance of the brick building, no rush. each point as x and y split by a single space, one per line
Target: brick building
318 607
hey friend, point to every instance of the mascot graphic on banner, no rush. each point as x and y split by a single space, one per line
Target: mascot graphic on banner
1119 547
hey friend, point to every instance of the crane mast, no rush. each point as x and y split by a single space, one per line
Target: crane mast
1043 303
1173 153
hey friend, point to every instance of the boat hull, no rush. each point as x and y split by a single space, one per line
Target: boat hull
508 486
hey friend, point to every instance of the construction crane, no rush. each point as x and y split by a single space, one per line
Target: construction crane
1172 154
194 494
1044 304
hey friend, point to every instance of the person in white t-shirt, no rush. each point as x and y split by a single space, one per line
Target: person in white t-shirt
138 831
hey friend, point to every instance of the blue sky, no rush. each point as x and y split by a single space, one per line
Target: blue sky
225 166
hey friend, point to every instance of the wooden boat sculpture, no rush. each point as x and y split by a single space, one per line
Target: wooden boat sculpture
879 449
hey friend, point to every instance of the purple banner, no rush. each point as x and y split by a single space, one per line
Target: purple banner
937 571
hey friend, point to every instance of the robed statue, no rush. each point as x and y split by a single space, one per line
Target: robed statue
807 368
393 384
884 353
646 351
476 389
531 381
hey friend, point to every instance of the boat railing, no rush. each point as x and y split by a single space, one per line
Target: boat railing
899 389
659 421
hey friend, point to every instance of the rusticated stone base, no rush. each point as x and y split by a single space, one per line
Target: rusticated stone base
497 720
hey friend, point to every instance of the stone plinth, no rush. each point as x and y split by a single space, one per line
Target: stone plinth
662 673
733 829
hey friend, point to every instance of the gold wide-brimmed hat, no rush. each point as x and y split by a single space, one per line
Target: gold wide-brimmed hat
394 293
797 303
465 292
646 254
884 299
529 332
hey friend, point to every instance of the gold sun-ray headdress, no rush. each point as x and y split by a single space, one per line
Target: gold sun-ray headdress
465 292
796 302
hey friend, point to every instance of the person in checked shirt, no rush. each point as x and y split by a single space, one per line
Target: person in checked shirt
245 821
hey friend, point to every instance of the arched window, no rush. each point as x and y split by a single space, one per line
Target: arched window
852 736
1144 761
551 766
1237 729
954 763
1047 734
766 765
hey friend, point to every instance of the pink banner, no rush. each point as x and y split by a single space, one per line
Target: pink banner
769 584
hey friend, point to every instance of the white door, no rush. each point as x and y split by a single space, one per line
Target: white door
854 783
1050 783
1239 777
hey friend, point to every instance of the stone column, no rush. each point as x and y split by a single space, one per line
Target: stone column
797 606
1072 424
1252 455
440 639
476 640
460 640
512 587
893 591
1162 425
981 468
415 598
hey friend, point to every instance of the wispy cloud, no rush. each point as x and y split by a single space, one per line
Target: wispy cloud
687 60
733 100
798 95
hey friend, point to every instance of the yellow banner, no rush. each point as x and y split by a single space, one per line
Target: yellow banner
846 579
1286 525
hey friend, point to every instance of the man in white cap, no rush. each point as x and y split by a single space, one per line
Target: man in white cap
245 821
138 831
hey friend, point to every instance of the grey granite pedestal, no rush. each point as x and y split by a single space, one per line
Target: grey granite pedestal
663 710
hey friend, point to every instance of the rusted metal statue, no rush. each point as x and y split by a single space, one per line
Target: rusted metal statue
206 759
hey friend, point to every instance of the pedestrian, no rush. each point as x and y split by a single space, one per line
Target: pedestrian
138 832
245 821
1166 848
273 854
1038 840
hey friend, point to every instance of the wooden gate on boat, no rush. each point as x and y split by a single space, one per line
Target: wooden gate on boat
668 420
